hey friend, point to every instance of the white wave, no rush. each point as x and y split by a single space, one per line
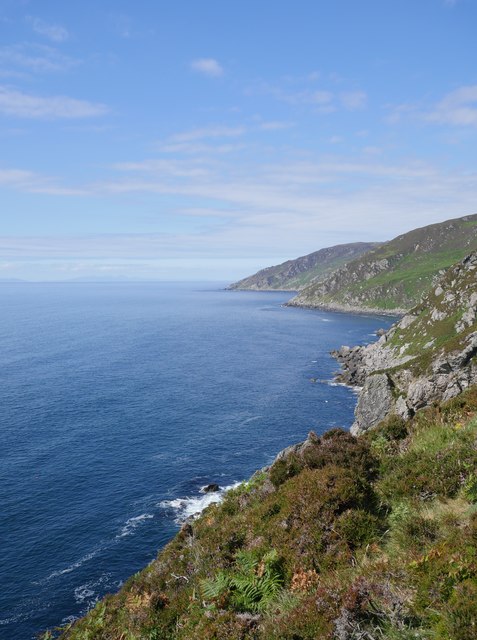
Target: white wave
188 507
87 592
133 523
69 569
82 593
354 388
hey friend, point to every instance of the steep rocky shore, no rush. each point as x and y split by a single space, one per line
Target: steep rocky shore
428 356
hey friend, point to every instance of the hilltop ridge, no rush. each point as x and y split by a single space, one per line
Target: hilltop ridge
293 275
393 277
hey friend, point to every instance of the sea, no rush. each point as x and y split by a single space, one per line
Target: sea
121 401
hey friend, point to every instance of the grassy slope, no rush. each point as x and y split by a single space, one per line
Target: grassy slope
430 335
413 260
295 274
347 537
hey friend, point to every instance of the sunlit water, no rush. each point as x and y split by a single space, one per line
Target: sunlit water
120 401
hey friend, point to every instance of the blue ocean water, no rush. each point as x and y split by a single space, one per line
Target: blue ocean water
120 401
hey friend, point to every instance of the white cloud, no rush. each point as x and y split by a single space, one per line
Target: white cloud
276 125
259 212
208 67
456 108
218 131
353 100
54 32
31 182
36 58
164 168
22 105
317 97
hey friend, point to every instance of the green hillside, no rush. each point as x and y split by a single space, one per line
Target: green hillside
293 275
394 276
342 538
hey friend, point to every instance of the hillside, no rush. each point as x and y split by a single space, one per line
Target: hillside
393 277
342 537
429 356
293 275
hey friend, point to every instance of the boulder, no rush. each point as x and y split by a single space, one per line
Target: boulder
211 488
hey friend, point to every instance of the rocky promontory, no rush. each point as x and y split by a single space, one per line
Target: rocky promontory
426 357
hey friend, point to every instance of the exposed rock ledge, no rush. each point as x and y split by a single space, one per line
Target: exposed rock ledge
428 356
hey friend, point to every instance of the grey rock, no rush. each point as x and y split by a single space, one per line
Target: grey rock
401 408
211 488
406 321
374 403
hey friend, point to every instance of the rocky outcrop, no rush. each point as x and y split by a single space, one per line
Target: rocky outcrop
428 356
374 403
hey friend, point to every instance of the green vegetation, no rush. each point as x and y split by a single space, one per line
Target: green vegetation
396 274
293 275
442 323
342 538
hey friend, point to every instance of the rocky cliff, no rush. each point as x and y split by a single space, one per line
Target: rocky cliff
428 356
393 277
295 274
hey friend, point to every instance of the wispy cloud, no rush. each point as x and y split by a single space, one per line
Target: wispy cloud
257 212
164 168
208 67
276 125
54 32
203 133
456 108
23 105
353 100
321 101
31 182
35 58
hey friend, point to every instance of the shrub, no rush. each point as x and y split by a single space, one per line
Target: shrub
357 527
285 468
460 615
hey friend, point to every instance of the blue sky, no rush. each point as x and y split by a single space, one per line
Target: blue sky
208 139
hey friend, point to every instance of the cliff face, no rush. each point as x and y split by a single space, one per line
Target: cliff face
393 277
428 356
295 274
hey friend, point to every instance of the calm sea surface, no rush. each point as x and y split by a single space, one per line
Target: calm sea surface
120 401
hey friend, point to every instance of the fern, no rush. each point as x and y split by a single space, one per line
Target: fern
213 589
254 584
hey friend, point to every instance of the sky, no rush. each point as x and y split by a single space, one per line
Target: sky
207 139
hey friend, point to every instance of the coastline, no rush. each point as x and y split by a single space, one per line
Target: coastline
337 308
